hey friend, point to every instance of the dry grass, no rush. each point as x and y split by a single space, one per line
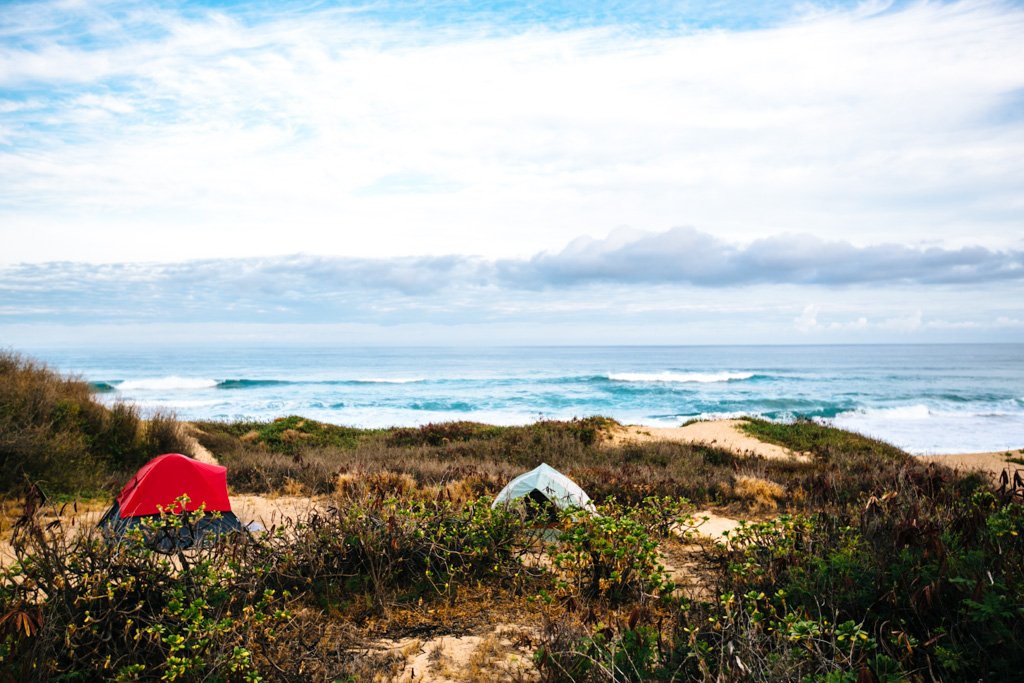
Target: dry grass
464 462
762 495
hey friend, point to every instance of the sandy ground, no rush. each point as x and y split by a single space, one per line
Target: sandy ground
722 433
272 510
503 653
715 526
992 463
726 434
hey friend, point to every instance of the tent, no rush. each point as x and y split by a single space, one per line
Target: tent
545 483
159 484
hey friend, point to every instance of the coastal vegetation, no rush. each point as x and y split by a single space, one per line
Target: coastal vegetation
858 563
55 434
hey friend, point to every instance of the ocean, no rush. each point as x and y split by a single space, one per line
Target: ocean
924 398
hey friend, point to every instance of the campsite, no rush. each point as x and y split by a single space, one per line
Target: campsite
574 341
421 554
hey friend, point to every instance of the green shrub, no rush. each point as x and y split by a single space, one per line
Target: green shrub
102 611
374 553
609 556
439 434
290 435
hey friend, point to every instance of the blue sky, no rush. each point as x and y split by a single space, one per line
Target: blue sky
558 172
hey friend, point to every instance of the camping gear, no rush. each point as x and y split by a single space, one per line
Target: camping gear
545 484
157 486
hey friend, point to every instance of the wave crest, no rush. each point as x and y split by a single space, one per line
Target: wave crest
680 377
163 383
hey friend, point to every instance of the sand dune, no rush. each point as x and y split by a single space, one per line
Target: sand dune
722 433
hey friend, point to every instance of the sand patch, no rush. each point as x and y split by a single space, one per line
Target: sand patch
503 654
715 527
274 510
720 433
683 557
994 463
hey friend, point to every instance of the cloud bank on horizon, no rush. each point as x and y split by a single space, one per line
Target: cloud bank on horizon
674 280
852 170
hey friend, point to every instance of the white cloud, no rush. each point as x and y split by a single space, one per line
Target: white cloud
808 319
206 136
1008 322
807 322
909 323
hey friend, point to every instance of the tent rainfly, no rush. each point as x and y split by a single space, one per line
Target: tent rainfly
549 483
159 484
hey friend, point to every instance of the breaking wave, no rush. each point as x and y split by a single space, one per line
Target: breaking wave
681 377
164 383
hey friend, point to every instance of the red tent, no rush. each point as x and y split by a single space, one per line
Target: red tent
165 478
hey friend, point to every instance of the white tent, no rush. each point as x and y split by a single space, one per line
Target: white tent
552 484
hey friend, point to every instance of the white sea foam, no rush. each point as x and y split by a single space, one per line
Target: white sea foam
926 430
729 415
178 405
917 411
390 380
679 377
378 417
164 383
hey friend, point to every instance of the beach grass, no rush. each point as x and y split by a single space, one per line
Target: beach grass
821 440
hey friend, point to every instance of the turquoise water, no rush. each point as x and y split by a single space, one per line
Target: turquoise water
927 398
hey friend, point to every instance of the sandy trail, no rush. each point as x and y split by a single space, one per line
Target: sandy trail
721 433
681 557
197 450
